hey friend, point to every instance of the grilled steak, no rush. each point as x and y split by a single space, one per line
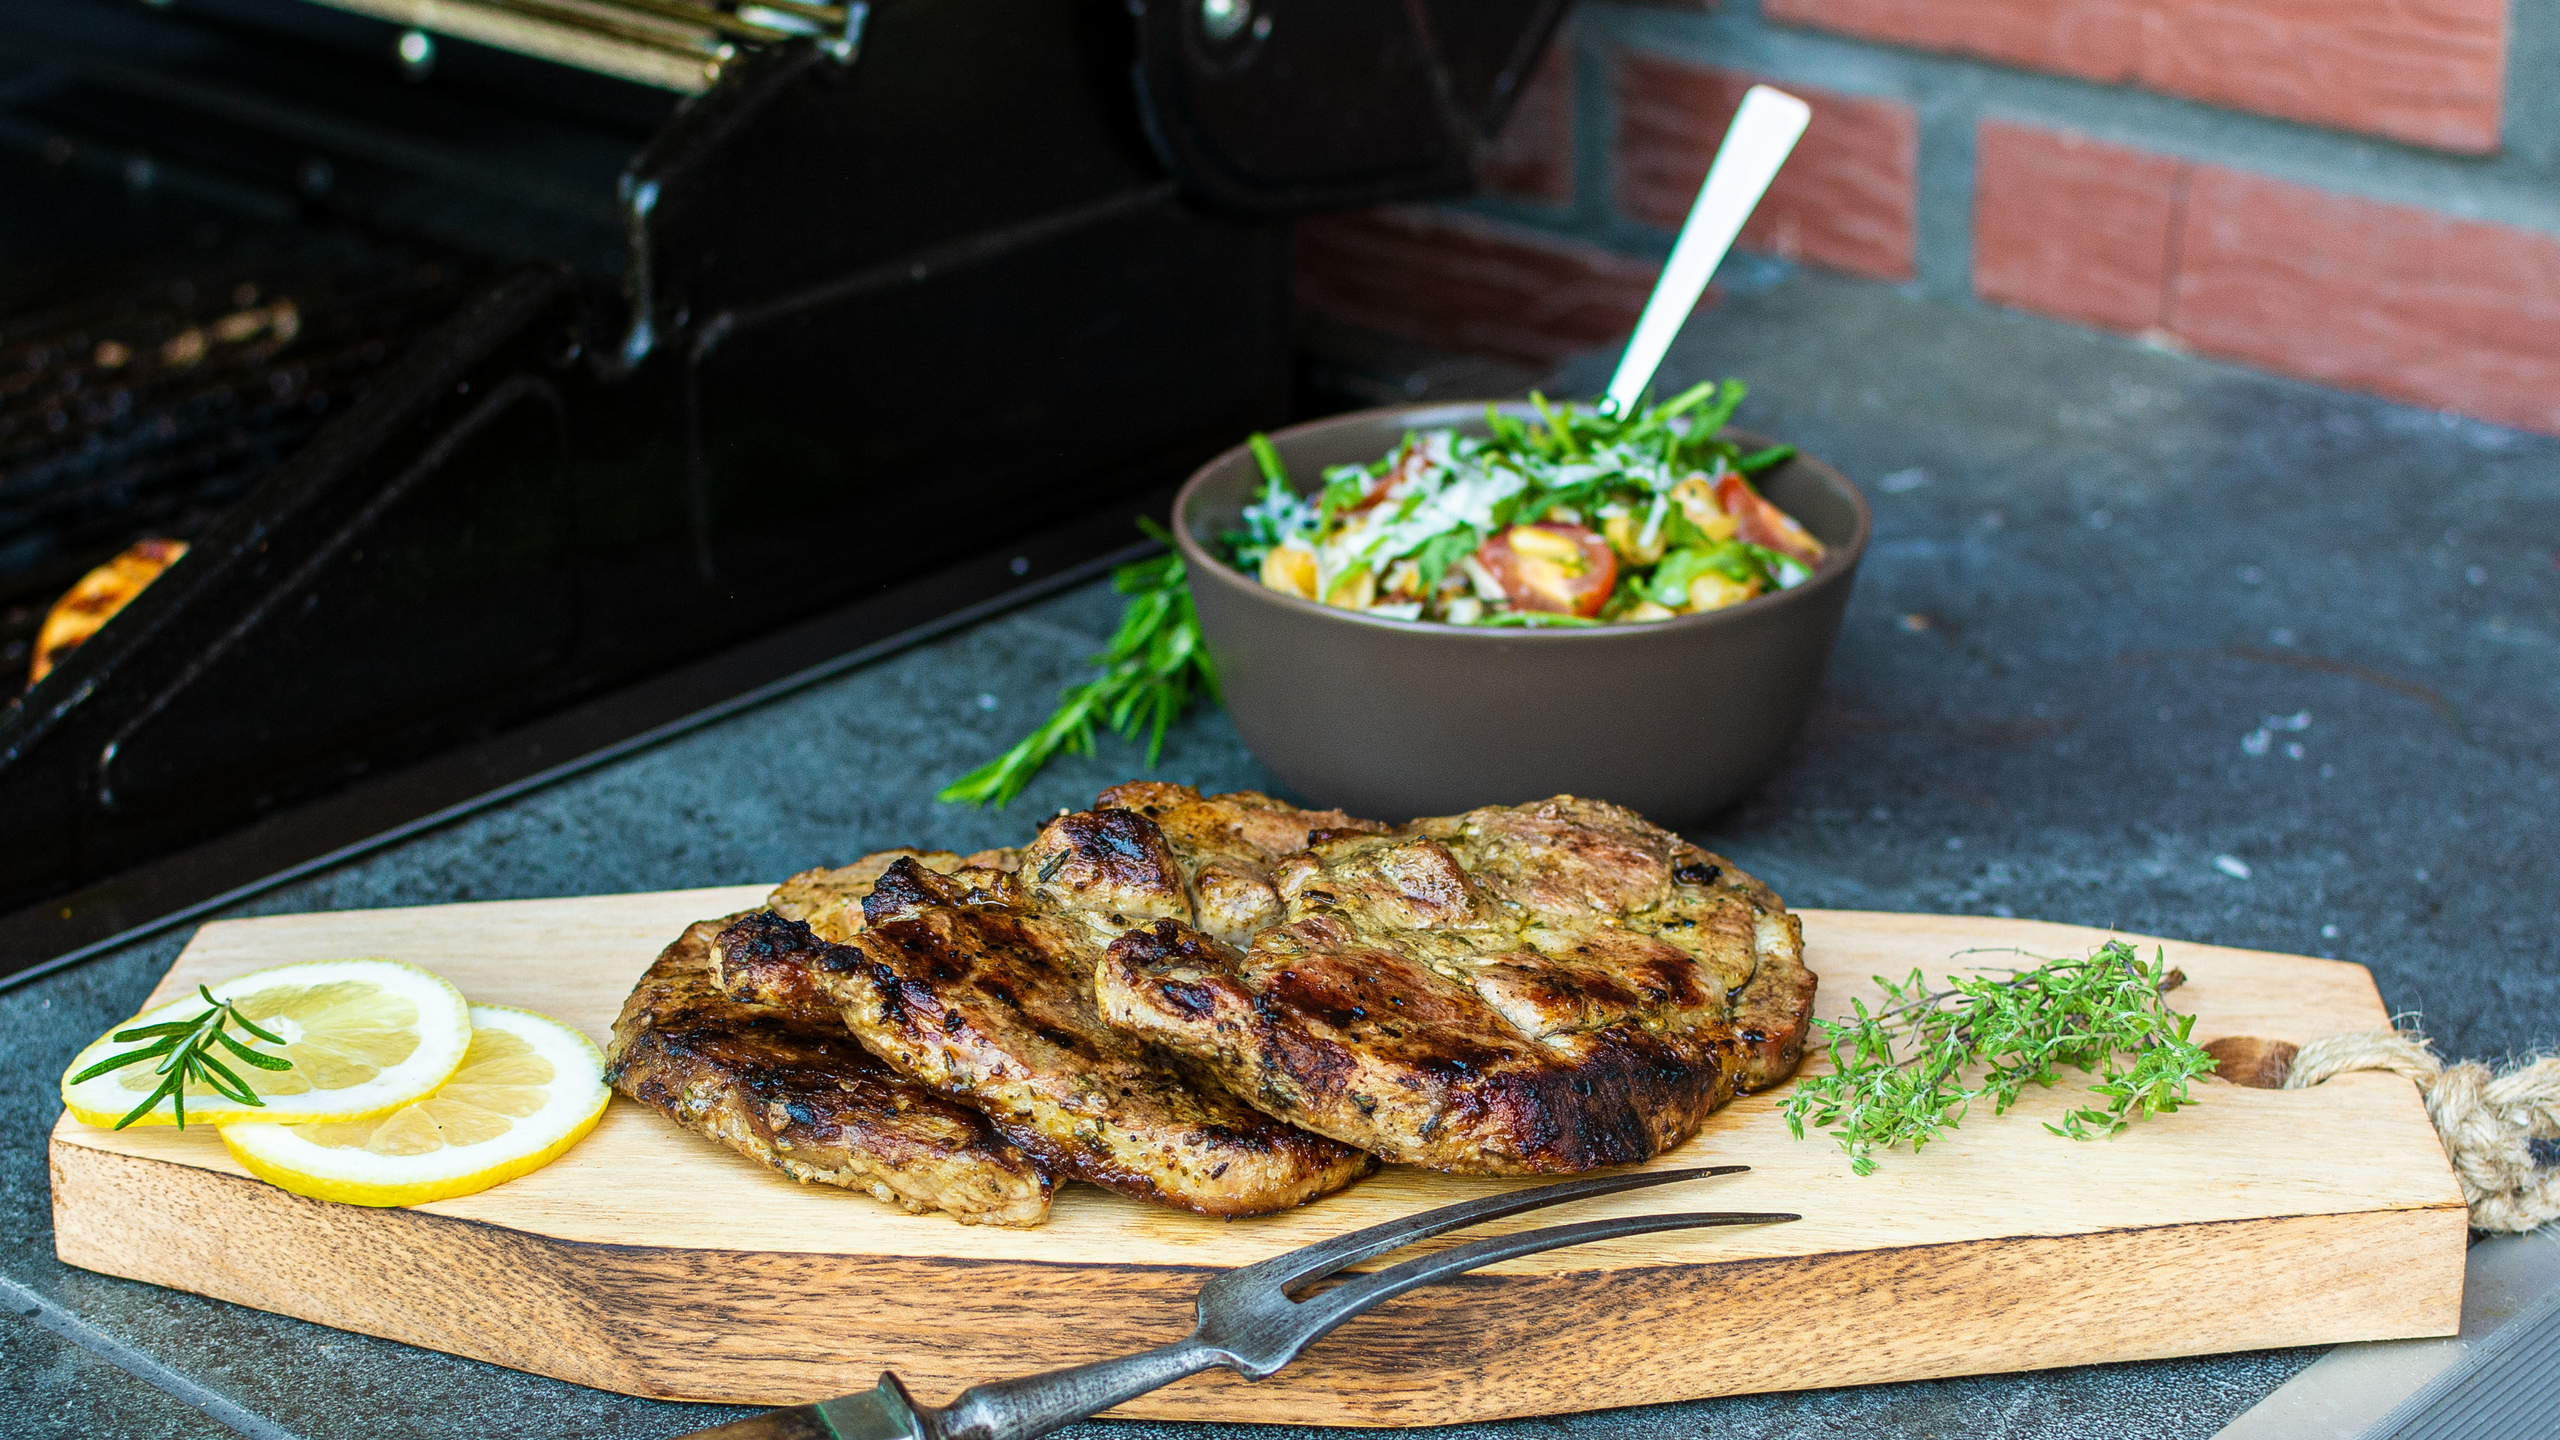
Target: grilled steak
1229 848
831 900
1516 990
798 1093
978 983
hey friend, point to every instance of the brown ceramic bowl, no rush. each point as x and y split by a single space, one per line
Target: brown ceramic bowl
1395 718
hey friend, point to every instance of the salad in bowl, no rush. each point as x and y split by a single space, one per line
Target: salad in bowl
1577 517
1403 608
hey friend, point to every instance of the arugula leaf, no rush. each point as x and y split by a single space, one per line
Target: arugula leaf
1279 515
1563 436
1581 496
1730 558
1759 460
1442 551
1275 474
1782 570
1344 485
1669 583
1720 414
1679 532
1661 416
1627 596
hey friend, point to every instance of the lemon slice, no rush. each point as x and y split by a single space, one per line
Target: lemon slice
365 1037
529 1089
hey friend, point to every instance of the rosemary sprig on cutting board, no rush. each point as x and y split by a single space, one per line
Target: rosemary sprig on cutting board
1911 1070
186 1052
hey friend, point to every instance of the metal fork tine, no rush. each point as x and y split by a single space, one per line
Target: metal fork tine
1323 1258
1321 1314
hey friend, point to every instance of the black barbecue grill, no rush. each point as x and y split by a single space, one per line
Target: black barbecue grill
493 354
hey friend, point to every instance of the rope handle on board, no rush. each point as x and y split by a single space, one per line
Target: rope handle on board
2487 1123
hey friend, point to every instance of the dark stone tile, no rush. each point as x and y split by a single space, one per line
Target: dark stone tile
59 1391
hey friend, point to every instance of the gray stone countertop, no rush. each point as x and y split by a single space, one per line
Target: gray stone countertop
2143 641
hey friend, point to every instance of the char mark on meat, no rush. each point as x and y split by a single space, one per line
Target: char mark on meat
1517 990
791 1089
830 900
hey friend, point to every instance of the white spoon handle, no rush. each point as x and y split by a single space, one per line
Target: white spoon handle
1765 131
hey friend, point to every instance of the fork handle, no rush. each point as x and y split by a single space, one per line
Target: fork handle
1037 1404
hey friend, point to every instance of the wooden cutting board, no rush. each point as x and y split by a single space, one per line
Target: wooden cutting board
653 1262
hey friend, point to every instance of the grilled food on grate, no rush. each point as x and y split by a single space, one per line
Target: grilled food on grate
797 1093
91 603
1516 990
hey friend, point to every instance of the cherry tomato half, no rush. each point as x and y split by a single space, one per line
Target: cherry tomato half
1758 522
1551 567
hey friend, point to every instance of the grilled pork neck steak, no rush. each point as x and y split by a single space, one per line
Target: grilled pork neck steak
1523 990
831 900
1229 848
977 981
796 1092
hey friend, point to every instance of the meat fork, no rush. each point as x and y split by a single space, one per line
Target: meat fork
1248 1321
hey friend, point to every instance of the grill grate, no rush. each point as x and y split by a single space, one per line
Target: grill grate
148 409
672 44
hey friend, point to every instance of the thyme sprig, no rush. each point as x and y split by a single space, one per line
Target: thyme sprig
1911 1070
1150 672
186 1051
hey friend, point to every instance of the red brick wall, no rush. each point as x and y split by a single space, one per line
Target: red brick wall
2386 298
1533 157
2426 71
1468 284
2073 228
1846 199
2201 251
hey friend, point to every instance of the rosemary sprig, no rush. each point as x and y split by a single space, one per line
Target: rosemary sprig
1900 1073
1150 672
185 1049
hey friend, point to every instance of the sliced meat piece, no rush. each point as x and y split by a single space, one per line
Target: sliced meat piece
801 1096
1518 990
1110 867
831 900
1228 847
979 984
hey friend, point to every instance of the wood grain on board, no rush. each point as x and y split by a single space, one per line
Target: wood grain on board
650 1261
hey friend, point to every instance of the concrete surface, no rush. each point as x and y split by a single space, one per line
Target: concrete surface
2111 591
